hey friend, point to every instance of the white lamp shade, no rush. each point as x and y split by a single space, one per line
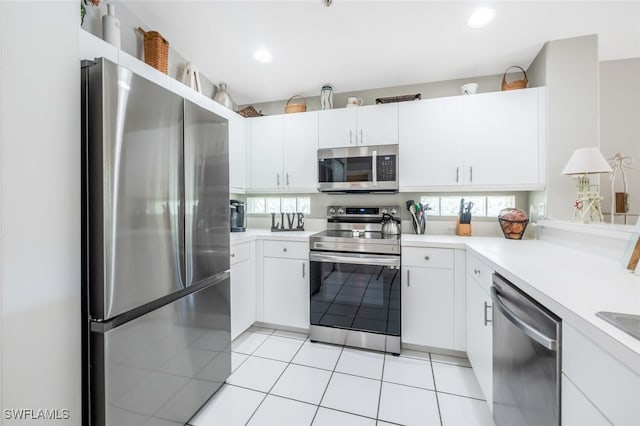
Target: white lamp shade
586 160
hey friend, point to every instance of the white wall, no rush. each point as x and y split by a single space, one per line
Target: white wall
40 208
569 69
620 125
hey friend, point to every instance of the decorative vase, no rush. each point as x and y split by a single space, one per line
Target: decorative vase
111 27
326 97
223 98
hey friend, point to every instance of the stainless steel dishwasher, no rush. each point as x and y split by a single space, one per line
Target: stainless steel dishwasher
526 359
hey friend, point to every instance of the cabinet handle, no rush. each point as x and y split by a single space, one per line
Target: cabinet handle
287 179
476 271
408 277
470 174
233 255
303 270
427 258
361 137
487 306
278 177
284 249
350 137
457 174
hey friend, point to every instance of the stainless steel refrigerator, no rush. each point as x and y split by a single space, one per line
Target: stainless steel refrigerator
156 320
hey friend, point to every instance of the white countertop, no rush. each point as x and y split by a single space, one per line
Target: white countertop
266 234
571 283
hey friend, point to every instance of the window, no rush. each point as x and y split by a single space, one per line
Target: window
268 205
483 205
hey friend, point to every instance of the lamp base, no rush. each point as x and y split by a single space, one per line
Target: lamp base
588 204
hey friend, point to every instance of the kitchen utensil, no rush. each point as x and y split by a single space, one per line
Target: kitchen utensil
389 225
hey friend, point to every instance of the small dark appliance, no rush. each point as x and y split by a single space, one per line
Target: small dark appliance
236 216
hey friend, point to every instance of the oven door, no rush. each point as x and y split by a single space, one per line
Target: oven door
362 169
355 292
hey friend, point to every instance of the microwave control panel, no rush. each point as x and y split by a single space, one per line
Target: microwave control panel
386 167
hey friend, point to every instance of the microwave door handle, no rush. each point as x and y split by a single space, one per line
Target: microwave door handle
374 161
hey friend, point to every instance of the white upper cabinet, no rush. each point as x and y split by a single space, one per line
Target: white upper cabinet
431 148
283 153
350 127
300 144
266 171
501 138
237 155
490 141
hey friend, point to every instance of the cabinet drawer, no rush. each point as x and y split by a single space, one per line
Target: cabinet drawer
428 257
480 272
286 249
610 386
240 252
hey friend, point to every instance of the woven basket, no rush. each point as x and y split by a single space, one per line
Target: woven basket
515 84
290 108
156 50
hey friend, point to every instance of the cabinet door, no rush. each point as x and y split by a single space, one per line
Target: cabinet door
501 138
266 153
243 296
337 128
431 143
286 292
577 410
428 307
237 155
377 124
480 337
301 152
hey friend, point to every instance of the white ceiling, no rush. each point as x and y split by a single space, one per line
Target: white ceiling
358 44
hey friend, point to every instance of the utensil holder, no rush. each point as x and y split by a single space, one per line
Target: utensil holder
419 227
463 229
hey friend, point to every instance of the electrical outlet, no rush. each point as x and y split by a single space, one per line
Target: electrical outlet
451 229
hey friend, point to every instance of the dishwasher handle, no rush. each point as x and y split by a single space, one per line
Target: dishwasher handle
541 338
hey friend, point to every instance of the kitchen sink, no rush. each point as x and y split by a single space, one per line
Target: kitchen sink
628 323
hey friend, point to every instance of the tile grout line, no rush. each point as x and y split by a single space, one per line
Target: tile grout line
384 362
435 388
276 381
327 386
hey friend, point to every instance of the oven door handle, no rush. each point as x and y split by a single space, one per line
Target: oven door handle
541 338
356 259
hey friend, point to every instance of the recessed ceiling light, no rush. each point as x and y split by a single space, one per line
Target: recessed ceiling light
481 17
262 55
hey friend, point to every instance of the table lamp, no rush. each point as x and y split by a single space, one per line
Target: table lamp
588 203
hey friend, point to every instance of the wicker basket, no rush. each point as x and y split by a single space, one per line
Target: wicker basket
156 50
290 108
515 84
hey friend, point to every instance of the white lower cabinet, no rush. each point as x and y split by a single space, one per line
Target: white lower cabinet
430 313
577 410
479 327
243 288
286 284
607 388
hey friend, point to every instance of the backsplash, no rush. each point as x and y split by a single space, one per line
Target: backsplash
316 220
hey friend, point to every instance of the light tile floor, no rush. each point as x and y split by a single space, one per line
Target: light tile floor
280 378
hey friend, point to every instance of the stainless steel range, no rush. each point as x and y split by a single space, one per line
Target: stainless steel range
355 279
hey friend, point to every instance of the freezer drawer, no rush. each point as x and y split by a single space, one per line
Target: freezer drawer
163 365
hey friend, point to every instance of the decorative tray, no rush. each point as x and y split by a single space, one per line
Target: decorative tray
402 98
249 111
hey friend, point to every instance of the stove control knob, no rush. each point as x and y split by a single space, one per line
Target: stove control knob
332 210
384 211
393 212
340 210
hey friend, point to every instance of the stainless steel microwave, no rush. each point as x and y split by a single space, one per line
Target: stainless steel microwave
361 169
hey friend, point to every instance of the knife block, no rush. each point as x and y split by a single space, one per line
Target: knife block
463 229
